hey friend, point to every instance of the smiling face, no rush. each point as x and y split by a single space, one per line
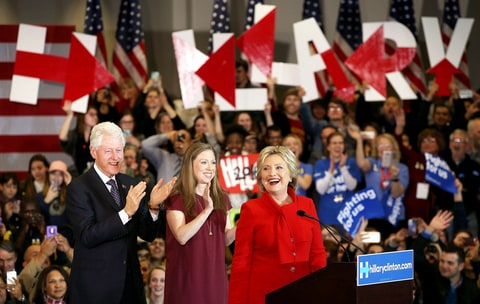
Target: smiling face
157 248
165 124
200 126
429 145
157 282
449 265
275 175
294 144
245 121
204 167
292 104
108 155
55 285
335 146
235 143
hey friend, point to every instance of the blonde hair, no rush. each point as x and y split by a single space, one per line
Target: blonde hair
392 141
286 155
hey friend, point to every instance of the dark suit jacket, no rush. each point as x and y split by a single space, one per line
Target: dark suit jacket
105 249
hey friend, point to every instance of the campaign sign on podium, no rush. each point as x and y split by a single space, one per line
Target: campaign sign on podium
384 267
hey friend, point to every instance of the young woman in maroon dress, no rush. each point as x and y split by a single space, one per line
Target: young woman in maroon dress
197 232
274 246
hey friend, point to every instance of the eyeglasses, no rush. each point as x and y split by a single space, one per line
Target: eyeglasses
334 108
429 139
384 146
459 140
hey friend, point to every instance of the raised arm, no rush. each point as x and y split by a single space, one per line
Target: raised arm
65 127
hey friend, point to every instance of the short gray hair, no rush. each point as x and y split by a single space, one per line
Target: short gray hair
108 128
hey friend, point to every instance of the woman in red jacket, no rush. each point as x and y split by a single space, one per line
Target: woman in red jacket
274 246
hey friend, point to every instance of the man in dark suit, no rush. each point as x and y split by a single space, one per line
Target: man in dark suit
108 211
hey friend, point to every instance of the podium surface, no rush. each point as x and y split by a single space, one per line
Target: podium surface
337 283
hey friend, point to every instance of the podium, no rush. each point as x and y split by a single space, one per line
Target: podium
337 283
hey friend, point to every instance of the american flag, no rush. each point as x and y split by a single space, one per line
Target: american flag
402 11
250 14
311 9
26 130
94 26
451 12
220 20
129 56
348 35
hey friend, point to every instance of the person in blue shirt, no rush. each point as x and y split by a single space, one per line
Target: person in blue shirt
336 178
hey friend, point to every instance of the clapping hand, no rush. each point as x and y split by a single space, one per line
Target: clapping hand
134 197
160 193
207 199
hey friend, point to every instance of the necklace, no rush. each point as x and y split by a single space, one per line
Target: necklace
209 224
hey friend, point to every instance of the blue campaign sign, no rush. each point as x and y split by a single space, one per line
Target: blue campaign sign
384 267
439 174
364 204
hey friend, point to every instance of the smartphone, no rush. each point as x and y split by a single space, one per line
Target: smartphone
371 237
368 134
469 241
155 75
465 94
11 276
412 227
51 231
387 158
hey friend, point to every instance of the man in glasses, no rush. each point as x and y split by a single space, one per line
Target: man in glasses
468 172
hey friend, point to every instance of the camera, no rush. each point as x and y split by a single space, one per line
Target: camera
432 249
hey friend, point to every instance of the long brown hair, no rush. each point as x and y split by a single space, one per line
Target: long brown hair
27 186
186 183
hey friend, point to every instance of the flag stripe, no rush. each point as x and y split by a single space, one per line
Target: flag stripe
18 162
348 35
29 143
451 13
30 125
44 107
94 26
402 11
129 56
311 9
47 89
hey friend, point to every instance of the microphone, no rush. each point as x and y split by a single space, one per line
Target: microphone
302 213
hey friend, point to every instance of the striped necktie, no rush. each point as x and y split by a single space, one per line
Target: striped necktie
178 166
114 191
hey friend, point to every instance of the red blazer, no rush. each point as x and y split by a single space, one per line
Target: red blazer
274 246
